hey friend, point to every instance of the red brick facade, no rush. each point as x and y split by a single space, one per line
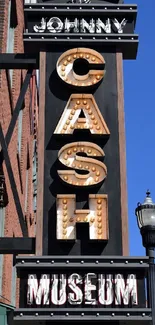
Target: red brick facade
22 163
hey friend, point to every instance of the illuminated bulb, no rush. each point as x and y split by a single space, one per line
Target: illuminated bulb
95 154
95 122
99 237
93 169
69 59
65 232
87 56
99 231
79 126
83 84
70 117
70 82
64 219
75 107
94 81
65 225
93 58
62 74
99 219
70 182
66 178
65 127
82 149
72 127
89 151
65 63
89 83
63 68
99 225
99 207
67 122
77 183
84 102
74 56
78 102
64 201
78 219
99 201
85 219
87 167
92 117
73 165
98 127
65 157
81 55
90 112
99 213
100 132
65 207
72 112
98 77
80 166
87 107
92 219
69 152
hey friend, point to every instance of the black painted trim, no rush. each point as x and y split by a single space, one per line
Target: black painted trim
17 245
91 314
19 61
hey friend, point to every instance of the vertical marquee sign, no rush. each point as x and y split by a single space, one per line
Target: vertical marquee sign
79 207
82 183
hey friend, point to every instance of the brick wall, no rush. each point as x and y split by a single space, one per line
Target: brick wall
21 161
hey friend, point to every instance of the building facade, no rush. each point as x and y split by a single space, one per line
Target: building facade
21 140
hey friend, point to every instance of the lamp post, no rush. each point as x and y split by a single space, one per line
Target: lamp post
145 213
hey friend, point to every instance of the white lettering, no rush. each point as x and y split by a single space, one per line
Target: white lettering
101 26
125 291
38 293
71 25
106 295
85 27
76 297
119 26
58 295
55 25
89 287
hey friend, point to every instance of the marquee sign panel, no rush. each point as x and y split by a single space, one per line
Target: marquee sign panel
76 287
111 25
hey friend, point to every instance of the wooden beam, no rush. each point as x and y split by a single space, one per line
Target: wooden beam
41 148
122 150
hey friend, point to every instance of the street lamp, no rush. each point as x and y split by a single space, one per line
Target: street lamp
145 213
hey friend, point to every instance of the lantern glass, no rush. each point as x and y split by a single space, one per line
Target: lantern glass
146 212
147 217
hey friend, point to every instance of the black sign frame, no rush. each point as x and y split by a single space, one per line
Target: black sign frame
127 43
108 263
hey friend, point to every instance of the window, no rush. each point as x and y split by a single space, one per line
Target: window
20 122
12 23
34 177
27 179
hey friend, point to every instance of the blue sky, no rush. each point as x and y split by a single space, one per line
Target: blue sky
139 87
